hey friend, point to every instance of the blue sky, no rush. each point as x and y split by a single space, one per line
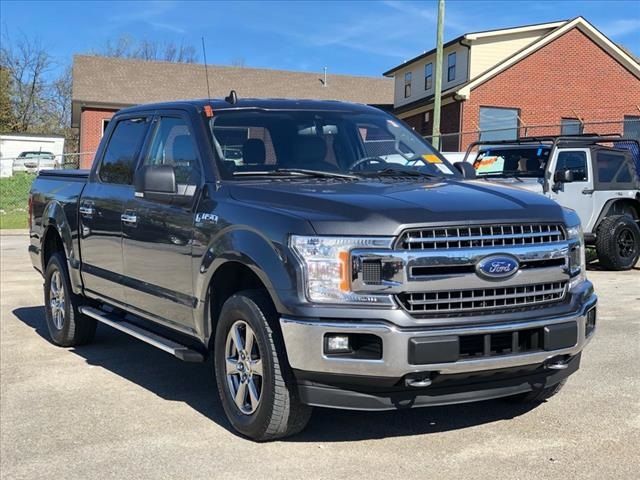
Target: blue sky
352 37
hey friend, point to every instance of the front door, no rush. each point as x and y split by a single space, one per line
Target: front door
158 232
577 195
103 200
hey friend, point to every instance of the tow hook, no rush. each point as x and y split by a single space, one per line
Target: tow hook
558 363
418 382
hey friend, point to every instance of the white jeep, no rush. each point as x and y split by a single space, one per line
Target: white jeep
597 176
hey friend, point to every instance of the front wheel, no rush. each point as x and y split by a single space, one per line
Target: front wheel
618 242
254 380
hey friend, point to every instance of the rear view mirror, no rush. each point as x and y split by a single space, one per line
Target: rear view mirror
156 179
466 169
563 176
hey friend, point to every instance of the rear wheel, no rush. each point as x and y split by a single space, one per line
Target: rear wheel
67 326
618 242
254 380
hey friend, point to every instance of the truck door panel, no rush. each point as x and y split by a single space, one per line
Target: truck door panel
101 206
578 194
158 233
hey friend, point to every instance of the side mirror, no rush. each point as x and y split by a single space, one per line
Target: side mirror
563 176
466 169
158 180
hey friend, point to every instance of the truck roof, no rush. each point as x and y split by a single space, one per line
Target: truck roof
258 103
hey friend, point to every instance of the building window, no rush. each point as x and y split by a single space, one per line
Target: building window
105 124
631 127
498 123
428 76
570 126
407 84
451 67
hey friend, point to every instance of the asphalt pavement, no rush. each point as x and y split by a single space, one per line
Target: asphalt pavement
119 408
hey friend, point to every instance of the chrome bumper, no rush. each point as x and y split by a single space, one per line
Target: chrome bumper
304 340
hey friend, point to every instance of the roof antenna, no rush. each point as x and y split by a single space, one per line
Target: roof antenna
232 98
206 69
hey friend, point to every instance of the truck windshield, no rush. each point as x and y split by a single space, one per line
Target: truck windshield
331 143
526 161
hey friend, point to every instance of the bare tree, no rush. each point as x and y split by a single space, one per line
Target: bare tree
126 47
27 63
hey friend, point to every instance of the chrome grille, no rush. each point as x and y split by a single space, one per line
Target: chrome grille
480 236
478 299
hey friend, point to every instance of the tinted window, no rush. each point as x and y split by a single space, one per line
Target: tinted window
498 123
612 167
122 150
174 145
570 126
574 161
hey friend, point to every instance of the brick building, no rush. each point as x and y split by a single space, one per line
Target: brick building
102 86
520 81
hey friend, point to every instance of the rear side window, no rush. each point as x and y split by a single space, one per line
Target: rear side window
574 161
118 162
612 167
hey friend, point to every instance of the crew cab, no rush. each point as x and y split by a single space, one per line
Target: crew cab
321 253
595 175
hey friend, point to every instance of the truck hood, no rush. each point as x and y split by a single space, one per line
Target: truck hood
386 207
530 184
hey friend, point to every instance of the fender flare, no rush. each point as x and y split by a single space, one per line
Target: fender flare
54 217
609 205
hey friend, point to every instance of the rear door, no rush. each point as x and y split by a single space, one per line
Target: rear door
158 232
578 194
109 189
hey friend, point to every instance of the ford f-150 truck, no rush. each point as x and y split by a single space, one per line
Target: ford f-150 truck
321 253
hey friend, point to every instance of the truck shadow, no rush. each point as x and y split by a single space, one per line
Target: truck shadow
194 384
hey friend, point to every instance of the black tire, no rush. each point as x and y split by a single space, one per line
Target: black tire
538 395
72 328
279 412
618 242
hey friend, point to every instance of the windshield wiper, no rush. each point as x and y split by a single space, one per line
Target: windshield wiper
395 171
298 171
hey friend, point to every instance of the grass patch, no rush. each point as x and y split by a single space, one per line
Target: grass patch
14 199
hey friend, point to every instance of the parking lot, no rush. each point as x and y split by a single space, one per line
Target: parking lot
121 409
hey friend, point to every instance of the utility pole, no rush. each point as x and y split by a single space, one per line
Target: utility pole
437 101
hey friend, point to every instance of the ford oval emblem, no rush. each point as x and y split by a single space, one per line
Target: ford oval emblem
496 267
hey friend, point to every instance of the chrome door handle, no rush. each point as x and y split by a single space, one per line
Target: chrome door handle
88 211
128 218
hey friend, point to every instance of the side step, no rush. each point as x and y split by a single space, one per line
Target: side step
169 346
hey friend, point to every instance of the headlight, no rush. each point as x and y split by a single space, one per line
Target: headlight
577 259
326 263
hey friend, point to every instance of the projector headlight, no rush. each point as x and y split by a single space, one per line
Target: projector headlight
577 259
326 266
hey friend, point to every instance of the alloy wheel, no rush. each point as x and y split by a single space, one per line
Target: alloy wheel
57 299
626 244
243 367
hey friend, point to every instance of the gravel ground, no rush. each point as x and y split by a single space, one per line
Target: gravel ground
121 409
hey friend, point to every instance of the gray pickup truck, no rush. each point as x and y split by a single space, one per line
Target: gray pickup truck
319 253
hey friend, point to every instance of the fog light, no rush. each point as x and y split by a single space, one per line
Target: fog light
335 343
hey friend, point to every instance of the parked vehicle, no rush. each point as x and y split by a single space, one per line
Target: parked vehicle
33 162
342 263
597 176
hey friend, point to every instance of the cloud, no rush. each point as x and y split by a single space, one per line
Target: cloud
621 27
152 13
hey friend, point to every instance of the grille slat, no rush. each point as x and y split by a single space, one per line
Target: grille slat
479 299
481 236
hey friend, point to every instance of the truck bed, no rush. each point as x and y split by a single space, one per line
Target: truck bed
70 174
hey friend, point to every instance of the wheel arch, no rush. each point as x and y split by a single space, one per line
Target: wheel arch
619 206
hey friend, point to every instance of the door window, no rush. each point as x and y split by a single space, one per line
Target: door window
174 145
119 160
574 161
